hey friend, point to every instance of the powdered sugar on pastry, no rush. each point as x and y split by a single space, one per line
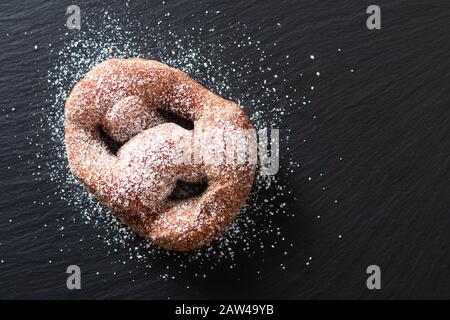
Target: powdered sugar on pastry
122 97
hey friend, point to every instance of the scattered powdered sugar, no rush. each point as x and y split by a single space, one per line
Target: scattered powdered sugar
242 78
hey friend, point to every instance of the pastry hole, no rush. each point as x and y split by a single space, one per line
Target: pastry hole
110 143
172 117
186 190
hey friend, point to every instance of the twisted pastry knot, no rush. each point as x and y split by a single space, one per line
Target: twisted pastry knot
125 99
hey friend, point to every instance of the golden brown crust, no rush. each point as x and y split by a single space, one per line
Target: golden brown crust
122 97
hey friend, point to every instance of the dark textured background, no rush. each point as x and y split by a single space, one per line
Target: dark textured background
389 121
